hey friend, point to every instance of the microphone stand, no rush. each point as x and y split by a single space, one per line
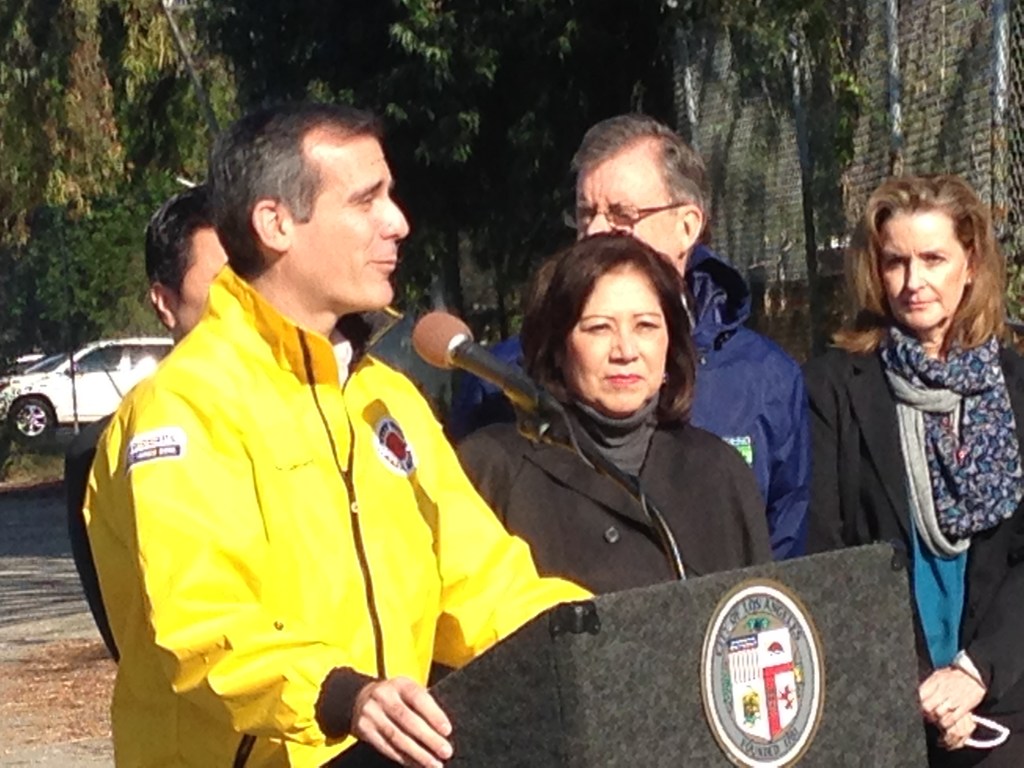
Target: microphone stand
540 428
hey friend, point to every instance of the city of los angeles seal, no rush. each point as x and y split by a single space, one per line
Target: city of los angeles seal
762 676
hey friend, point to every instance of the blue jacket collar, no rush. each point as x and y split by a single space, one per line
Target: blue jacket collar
721 298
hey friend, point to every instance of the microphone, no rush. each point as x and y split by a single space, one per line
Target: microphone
445 341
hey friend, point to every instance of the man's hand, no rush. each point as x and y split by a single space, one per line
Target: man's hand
948 697
401 720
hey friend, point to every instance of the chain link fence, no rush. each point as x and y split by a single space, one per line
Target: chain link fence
1010 135
939 87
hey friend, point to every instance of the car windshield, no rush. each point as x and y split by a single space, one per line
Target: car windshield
46 365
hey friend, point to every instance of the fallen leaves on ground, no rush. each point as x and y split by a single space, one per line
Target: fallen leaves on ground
57 692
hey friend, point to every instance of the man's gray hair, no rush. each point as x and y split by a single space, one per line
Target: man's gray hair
261 155
682 169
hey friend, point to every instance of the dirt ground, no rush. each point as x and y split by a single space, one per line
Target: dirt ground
67 684
55 675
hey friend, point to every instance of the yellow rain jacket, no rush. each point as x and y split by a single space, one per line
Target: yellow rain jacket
255 525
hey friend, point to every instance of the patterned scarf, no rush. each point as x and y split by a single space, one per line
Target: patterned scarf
969 435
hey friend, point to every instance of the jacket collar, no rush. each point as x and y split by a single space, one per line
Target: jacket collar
233 298
656 475
570 470
721 298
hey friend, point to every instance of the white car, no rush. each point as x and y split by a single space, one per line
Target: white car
35 401
23 362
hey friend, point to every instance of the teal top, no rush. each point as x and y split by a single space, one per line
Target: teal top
939 591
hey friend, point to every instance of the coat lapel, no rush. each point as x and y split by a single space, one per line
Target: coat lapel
662 469
568 469
875 413
989 549
1015 386
665 464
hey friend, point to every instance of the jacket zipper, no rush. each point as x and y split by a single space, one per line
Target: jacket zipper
248 741
244 750
346 477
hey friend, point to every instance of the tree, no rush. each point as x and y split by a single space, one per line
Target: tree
80 276
95 122
485 103
58 140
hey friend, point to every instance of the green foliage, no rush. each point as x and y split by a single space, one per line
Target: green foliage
96 119
58 143
159 113
826 36
485 104
79 276
93 98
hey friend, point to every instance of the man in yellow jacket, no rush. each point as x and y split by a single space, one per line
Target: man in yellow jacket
284 538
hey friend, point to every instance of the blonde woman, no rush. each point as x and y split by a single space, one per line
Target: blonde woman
916 425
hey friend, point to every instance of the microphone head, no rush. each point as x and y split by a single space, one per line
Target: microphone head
436 334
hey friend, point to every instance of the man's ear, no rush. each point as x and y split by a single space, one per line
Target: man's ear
689 226
273 225
165 304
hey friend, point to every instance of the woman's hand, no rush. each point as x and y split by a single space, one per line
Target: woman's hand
957 734
948 697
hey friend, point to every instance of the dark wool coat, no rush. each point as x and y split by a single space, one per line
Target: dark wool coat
858 496
583 526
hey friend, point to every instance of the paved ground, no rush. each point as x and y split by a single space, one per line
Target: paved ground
55 677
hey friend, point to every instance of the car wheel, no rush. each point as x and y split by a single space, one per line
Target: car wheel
31 419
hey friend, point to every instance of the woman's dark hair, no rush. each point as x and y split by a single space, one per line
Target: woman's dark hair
562 287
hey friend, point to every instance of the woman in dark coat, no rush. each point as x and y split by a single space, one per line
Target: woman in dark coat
606 334
916 426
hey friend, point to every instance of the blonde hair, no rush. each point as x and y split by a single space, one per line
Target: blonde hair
980 315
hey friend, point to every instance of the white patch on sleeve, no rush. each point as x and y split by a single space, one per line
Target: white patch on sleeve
164 443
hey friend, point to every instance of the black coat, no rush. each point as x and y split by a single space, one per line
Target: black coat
858 496
77 465
585 527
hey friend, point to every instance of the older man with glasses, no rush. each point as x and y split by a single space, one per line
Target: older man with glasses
635 175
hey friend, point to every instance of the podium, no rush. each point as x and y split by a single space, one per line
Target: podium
806 662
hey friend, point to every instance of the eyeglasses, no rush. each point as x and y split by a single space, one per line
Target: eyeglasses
618 215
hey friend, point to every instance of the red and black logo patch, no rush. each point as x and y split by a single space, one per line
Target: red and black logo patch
392 446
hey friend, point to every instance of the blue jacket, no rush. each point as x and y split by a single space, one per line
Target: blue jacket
749 392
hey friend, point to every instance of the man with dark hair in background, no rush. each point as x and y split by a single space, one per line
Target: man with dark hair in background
183 255
283 532
636 175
